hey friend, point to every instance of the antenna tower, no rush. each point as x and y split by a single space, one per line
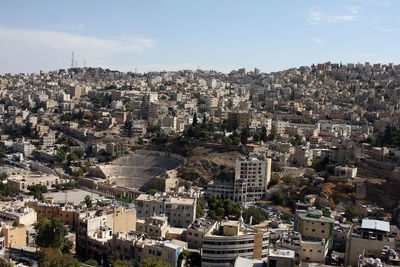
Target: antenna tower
72 61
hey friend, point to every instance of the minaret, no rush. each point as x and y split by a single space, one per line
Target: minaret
241 221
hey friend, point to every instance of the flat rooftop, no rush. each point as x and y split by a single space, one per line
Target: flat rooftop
284 253
375 225
75 196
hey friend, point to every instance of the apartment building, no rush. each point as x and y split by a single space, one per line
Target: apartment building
239 119
252 176
196 231
232 239
370 235
96 227
347 172
316 229
66 213
18 215
154 226
181 211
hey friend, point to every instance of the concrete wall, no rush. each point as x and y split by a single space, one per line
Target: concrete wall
14 236
124 220
356 246
315 229
314 251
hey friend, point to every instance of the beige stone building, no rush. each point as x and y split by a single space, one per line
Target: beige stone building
154 226
20 182
370 235
181 211
316 229
96 227
196 231
13 235
18 215
67 213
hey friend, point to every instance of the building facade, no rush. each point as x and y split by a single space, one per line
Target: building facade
252 176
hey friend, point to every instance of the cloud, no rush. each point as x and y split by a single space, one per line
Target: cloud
32 50
384 29
75 26
353 9
381 2
384 3
318 41
317 16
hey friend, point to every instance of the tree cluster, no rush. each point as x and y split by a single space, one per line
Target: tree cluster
220 208
37 190
284 198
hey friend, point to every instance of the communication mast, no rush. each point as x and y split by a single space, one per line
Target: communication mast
72 61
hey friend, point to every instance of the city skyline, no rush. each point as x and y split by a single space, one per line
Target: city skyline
175 35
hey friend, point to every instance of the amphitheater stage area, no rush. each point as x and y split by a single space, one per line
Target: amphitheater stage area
144 170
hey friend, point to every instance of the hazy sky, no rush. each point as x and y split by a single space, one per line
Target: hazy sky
184 34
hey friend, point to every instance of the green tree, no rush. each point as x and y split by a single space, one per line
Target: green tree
194 122
274 133
264 136
278 197
6 190
297 140
73 157
88 201
121 263
274 181
371 140
355 212
152 191
244 136
37 190
289 180
187 185
52 234
92 262
49 257
235 138
154 262
320 164
285 216
200 209
61 154
256 214
2 153
193 259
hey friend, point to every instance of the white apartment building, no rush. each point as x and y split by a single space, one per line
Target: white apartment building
252 176
24 147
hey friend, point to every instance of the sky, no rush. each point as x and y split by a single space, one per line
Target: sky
219 35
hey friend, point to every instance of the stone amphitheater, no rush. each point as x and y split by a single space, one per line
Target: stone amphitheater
142 170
